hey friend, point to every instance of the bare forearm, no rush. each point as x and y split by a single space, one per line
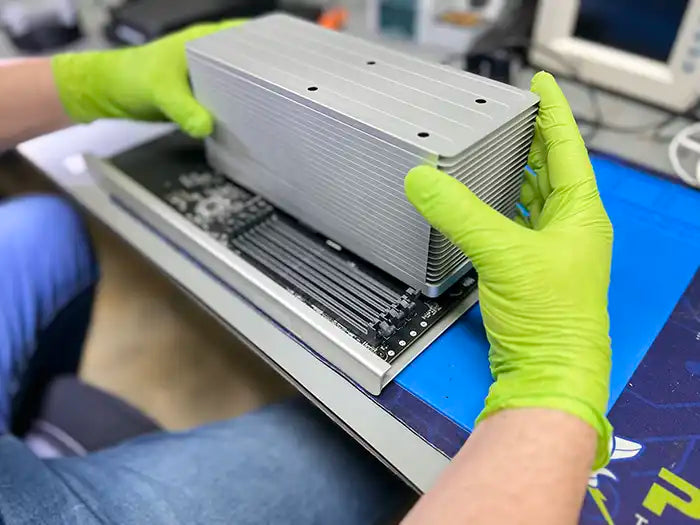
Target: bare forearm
519 466
29 101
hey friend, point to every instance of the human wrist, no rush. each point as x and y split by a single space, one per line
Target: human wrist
572 388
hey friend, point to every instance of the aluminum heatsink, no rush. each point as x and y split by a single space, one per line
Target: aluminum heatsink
325 126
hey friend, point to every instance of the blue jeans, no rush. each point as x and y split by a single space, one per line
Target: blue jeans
283 464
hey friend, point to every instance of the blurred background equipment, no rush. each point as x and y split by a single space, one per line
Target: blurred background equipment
684 154
139 21
334 18
500 50
629 70
646 49
36 26
448 24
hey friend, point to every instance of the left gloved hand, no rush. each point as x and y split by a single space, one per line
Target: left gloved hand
148 82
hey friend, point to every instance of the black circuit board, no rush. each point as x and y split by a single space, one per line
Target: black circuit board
377 310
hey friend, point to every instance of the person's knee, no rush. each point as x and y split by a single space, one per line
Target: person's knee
48 273
45 235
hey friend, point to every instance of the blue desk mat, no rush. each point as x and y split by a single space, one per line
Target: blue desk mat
656 253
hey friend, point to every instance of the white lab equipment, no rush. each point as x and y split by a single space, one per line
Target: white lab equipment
646 49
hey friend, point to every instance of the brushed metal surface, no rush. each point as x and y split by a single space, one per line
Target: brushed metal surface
326 126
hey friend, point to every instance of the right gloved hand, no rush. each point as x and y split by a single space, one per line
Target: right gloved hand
543 282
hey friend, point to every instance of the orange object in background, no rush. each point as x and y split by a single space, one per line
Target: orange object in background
334 18
460 18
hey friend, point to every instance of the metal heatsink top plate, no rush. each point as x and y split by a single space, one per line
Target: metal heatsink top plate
334 153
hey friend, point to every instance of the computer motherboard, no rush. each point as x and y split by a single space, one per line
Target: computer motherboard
380 312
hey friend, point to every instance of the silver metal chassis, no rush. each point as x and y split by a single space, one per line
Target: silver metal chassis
325 338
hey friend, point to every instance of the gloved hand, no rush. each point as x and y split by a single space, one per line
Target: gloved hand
543 281
148 82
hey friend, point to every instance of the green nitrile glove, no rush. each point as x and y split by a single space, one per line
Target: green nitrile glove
543 281
148 82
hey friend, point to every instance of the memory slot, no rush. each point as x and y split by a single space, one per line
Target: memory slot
341 266
364 290
305 264
272 262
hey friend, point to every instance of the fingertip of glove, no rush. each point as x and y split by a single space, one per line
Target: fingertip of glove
199 126
227 24
420 181
540 79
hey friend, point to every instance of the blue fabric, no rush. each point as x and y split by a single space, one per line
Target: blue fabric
655 255
46 261
284 464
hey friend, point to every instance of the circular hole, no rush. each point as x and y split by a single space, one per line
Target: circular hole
312 88
423 134
371 62
480 101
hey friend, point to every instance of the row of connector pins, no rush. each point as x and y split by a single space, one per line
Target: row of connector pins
252 219
388 322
